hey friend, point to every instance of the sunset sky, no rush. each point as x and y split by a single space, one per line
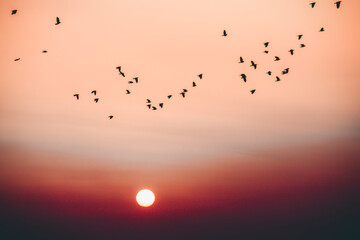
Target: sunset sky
284 157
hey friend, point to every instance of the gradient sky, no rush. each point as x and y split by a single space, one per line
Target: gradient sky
219 125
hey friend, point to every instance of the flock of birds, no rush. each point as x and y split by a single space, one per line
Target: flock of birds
243 76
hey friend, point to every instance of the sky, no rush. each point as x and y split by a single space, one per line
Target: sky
59 153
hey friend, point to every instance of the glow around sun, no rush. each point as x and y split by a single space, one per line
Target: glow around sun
145 198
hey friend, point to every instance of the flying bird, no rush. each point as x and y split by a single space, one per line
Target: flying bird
291 51
269 73
96 100
253 91
149 106
182 94
77 96
312 4
44 51
253 64
224 33
57 21
185 90
120 72
266 44
266 51
302 45
161 105
277 79
127 91
136 79
130 82
17 59
322 30
148 101
194 84
169 96
111 117
153 108
200 75
338 4
94 92
241 60
299 37
13 12
243 76
286 71
277 58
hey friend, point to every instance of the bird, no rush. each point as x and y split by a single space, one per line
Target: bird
277 79
57 21
148 101
312 4
184 90
338 4
269 73
322 30
169 96
286 71
149 106
94 92
302 45
299 37
136 79
194 84
253 64
153 108
76 95
130 82
200 75
266 51
243 76
127 91
277 58
161 105
17 59
182 94
44 51
291 51
96 100
224 33
120 72
13 12
111 117
241 60
266 44
253 91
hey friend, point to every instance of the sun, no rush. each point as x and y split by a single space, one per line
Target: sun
145 198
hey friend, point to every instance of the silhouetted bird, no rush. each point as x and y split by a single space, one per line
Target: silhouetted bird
111 117
302 45
77 96
57 21
136 79
338 4
161 105
153 108
266 51
149 106
312 4
184 90
94 92
44 51
286 71
200 75
269 73
127 91
253 64
322 30
266 44
224 33
13 12
194 84
169 96
120 72
277 58
299 37
17 59
241 60
253 91
96 100
130 82
277 79
291 51
243 76
182 94
148 101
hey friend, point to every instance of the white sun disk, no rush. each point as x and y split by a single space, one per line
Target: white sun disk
145 198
